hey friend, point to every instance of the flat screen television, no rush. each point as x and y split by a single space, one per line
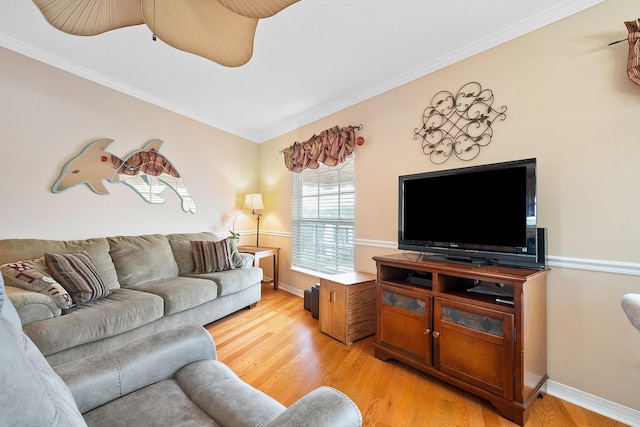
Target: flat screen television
480 215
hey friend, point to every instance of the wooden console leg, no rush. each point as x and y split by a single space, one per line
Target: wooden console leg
381 354
515 414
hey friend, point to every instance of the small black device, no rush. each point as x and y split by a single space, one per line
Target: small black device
420 279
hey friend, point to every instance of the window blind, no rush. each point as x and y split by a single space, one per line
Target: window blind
322 230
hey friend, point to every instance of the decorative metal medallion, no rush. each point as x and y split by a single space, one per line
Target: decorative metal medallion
458 124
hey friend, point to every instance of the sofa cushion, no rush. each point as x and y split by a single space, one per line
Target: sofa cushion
12 250
141 258
180 293
101 377
160 404
78 275
33 275
182 251
211 256
232 281
181 247
123 310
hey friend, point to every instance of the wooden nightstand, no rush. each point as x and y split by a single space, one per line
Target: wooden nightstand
263 252
348 306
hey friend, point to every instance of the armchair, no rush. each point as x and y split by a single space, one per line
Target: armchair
171 378
631 306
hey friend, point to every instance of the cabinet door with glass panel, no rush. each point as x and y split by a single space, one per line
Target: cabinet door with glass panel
404 323
475 344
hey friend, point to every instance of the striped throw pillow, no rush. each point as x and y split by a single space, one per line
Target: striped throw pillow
209 257
78 274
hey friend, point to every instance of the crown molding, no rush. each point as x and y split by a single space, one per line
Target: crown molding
85 73
518 29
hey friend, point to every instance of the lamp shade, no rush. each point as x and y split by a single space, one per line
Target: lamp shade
253 201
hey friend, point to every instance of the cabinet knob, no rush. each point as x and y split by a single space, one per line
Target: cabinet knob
436 334
427 331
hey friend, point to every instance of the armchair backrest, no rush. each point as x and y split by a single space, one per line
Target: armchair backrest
7 310
631 306
32 393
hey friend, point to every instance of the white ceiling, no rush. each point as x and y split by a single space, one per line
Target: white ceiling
312 59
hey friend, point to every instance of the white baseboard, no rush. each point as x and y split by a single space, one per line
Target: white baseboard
593 403
292 290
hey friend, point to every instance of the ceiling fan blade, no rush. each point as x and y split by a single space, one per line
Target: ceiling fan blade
256 8
90 17
202 27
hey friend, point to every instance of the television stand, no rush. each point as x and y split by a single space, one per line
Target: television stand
482 329
478 262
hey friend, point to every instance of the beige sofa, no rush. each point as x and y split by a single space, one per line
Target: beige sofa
152 286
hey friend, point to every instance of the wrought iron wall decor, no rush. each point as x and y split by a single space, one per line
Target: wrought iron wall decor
458 124
146 171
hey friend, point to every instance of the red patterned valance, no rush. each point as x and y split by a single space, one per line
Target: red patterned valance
633 64
331 147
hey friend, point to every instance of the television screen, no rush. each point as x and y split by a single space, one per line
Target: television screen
484 211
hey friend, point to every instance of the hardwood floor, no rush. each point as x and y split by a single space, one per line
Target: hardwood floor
278 348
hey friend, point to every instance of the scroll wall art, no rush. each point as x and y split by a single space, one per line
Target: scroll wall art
459 124
146 171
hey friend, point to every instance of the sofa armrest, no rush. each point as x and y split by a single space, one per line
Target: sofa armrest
246 260
32 306
324 406
101 378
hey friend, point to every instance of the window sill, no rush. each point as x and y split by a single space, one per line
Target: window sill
312 272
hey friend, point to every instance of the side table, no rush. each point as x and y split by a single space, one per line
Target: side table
263 252
348 306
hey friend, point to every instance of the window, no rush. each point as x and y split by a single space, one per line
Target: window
322 232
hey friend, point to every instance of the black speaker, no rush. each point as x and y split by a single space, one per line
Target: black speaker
541 256
312 300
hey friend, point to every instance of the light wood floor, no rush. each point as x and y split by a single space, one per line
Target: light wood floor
278 348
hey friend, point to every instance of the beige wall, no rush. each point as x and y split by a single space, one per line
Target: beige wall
572 107
569 104
48 115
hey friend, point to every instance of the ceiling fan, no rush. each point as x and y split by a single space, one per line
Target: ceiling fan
220 30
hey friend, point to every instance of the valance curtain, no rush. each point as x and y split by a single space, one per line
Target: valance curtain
331 147
633 64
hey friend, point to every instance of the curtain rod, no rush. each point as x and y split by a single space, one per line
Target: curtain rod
359 127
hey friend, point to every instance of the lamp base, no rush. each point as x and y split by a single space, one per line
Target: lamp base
257 228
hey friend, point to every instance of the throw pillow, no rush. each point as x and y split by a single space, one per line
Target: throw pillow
209 257
33 275
237 259
78 275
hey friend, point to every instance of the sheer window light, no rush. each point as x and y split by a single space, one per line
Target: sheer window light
322 230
